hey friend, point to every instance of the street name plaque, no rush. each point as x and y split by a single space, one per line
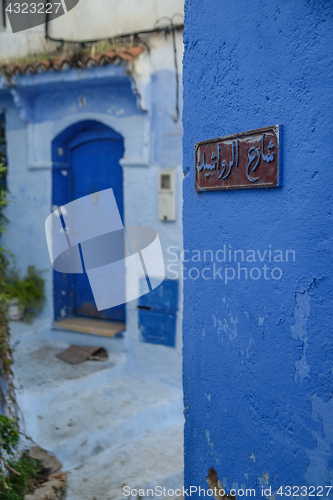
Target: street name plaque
241 161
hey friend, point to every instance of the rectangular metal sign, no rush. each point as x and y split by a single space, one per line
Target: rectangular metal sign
240 161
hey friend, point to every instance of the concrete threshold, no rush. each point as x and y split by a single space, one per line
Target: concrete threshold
91 326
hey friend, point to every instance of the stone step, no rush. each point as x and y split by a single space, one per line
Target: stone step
77 428
108 424
156 459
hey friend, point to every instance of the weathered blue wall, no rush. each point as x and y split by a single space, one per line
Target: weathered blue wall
258 354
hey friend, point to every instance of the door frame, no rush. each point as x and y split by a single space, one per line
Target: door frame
62 144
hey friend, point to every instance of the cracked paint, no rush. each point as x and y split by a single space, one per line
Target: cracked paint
227 325
320 456
299 332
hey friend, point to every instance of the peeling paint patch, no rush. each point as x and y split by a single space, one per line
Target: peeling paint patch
252 456
215 485
261 320
248 347
207 436
247 350
320 457
299 332
227 325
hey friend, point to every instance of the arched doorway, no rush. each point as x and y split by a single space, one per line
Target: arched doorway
85 160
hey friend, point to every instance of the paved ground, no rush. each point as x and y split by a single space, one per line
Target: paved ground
109 425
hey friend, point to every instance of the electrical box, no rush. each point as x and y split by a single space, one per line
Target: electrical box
166 194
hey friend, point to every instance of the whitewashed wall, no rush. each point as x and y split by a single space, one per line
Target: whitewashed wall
90 19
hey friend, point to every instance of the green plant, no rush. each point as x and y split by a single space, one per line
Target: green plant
7 389
18 476
9 437
30 291
18 486
3 196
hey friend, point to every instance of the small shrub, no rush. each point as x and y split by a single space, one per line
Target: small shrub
19 486
9 435
17 477
30 291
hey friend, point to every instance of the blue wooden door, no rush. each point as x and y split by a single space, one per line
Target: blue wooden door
94 156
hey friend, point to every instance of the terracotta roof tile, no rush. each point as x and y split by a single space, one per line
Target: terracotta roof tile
60 63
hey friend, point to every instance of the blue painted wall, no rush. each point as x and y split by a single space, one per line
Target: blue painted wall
258 354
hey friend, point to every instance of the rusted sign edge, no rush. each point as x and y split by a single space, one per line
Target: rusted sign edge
277 129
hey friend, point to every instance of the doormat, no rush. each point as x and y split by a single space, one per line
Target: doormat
79 353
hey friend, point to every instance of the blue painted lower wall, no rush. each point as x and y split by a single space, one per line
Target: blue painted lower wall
158 314
258 343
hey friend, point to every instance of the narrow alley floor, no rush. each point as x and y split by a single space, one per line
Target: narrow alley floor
109 425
